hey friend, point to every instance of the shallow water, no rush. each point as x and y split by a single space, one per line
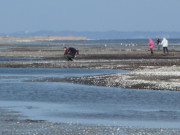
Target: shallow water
67 102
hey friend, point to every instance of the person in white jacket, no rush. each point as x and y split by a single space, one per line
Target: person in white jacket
164 44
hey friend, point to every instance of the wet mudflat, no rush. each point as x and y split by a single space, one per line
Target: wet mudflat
41 99
48 106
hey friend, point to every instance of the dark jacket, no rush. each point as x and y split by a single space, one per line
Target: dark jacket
158 41
71 51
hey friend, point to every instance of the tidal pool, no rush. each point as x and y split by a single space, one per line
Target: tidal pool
74 103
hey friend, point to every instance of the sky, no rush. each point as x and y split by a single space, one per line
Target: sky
89 15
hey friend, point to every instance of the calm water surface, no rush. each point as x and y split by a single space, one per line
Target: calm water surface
67 102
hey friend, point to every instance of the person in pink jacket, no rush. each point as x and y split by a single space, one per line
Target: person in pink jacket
151 45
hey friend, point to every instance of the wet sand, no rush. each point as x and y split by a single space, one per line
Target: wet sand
11 124
154 78
158 72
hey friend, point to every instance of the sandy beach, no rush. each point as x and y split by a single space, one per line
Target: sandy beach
144 71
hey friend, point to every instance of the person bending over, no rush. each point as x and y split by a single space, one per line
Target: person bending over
70 53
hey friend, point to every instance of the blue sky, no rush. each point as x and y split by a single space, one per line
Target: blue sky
89 15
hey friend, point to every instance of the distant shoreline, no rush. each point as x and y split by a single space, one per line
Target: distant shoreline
43 38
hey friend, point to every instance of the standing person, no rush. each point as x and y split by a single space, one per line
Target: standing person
70 53
164 44
151 45
158 43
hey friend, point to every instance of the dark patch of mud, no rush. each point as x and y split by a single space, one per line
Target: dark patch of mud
120 64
